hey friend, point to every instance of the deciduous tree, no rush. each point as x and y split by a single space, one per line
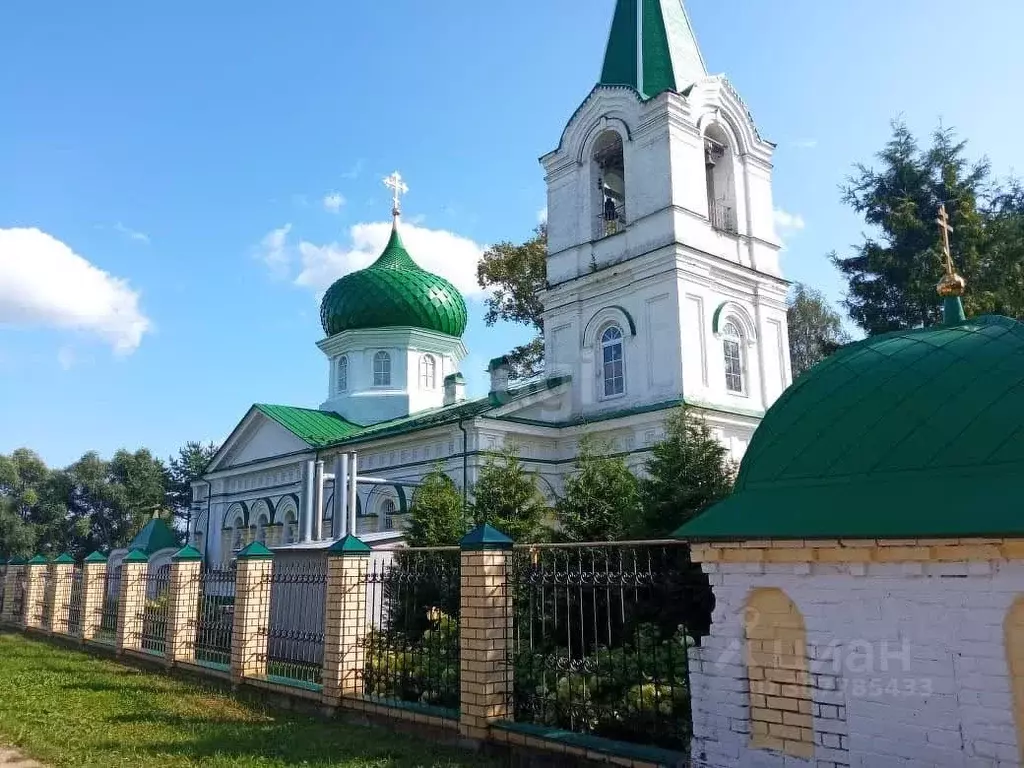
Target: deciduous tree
815 329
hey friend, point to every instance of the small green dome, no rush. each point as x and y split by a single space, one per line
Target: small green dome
393 291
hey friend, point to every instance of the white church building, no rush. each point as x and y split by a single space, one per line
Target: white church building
663 287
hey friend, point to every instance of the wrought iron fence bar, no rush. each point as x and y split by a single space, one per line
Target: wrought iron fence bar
598 544
295 637
215 616
155 608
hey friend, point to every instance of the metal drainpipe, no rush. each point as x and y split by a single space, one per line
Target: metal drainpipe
465 464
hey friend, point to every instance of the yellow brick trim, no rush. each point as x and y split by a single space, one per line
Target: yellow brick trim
861 551
1014 638
780 694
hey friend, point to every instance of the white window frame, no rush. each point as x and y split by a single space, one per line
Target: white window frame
388 511
603 378
732 337
428 372
341 374
382 378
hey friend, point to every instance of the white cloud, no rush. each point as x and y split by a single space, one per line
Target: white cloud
274 251
44 283
333 202
542 215
804 144
788 222
66 358
441 252
132 234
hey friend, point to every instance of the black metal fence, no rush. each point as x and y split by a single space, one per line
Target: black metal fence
216 617
44 603
295 641
601 634
154 614
412 642
17 596
3 588
107 631
74 608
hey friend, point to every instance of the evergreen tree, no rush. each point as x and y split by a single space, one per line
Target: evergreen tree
815 329
688 471
437 517
602 498
891 276
507 497
188 466
515 275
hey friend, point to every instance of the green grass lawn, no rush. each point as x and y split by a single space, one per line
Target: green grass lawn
67 708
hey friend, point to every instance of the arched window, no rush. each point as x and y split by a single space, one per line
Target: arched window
610 171
732 350
428 372
613 374
291 527
238 530
261 529
342 374
718 167
382 370
388 509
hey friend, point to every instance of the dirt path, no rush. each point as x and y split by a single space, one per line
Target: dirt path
12 758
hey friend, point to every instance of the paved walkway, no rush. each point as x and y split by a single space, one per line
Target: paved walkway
11 758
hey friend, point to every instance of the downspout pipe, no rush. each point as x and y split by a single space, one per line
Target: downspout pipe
465 464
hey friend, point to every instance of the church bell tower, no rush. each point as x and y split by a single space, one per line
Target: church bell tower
663 266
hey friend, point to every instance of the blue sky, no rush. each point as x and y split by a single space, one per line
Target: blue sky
179 162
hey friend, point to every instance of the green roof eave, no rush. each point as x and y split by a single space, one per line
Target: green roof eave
314 427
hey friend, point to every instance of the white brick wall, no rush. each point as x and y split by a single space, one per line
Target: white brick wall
908 662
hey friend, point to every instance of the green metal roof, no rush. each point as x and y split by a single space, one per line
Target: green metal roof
323 429
153 537
318 428
652 48
909 434
393 292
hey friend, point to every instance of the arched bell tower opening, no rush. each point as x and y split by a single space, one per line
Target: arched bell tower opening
609 168
719 166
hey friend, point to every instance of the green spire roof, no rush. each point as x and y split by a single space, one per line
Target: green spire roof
652 48
154 536
393 292
907 434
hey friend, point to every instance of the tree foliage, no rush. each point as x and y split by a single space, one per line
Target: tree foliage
182 470
437 517
891 276
687 471
507 497
94 504
515 275
602 499
815 329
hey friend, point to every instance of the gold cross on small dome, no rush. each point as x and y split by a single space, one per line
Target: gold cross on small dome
951 283
397 185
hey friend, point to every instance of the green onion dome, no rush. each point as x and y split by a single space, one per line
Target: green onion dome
393 291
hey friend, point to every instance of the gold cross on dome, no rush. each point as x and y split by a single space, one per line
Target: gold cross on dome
943 222
397 185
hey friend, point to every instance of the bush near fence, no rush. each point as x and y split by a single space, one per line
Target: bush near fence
598 645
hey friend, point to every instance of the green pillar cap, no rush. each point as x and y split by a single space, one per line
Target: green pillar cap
65 559
187 553
96 557
255 551
349 546
38 560
485 537
17 561
136 556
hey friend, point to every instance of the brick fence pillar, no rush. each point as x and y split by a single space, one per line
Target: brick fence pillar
131 607
345 620
36 578
252 612
485 632
94 582
14 592
183 609
62 573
